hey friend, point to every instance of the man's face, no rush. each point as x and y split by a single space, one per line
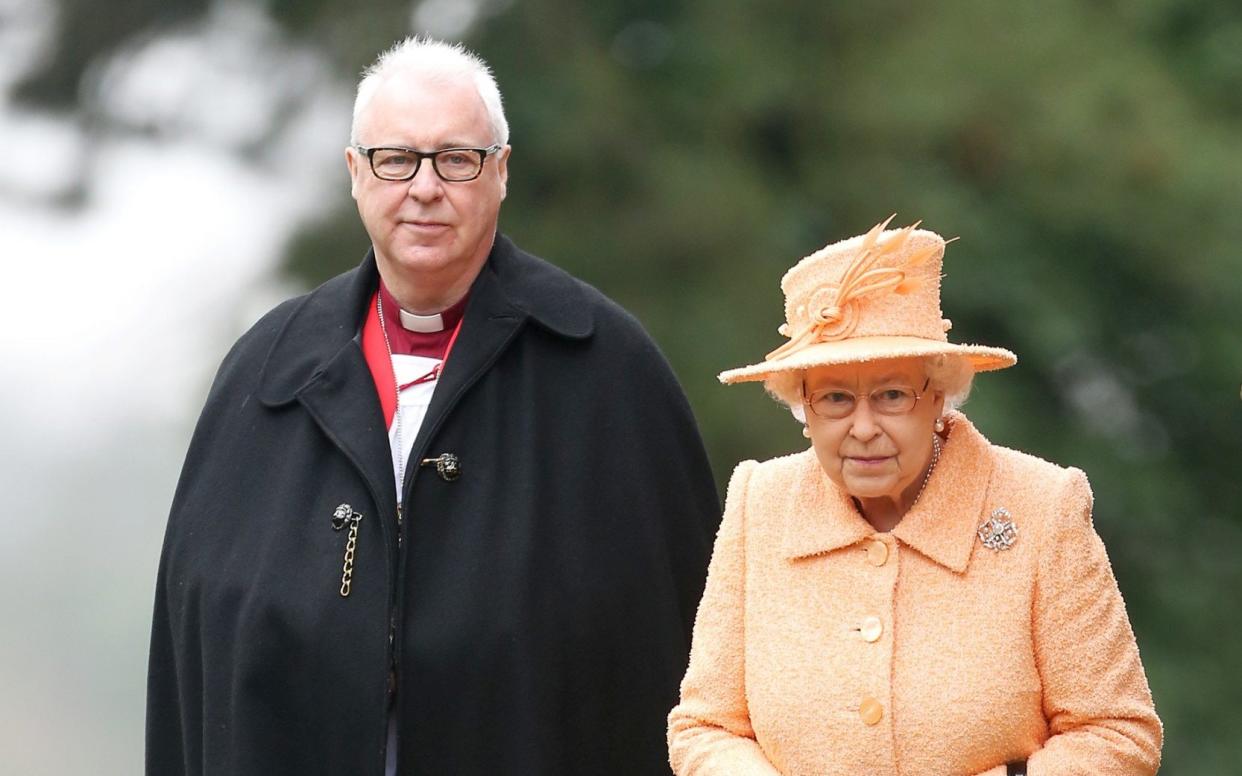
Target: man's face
428 232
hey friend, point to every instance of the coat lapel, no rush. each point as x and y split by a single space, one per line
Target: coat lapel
488 326
942 524
343 401
821 518
316 360
512 290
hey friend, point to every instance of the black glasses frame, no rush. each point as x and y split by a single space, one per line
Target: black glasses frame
369 153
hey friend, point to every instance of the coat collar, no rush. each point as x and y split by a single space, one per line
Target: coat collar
330 317
544 293
941 525
821 517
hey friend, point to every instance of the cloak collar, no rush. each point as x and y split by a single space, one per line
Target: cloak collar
330 318
941 526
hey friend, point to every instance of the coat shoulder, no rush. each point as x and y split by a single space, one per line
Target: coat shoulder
252 350
255 342
613 322
776 480
783 466
1048 496
566 304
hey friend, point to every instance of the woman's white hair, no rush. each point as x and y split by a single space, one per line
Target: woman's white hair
430 58
948 374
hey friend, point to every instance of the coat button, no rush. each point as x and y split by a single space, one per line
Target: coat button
877 552
870 711
872 628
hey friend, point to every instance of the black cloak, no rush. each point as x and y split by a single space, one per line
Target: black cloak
532 616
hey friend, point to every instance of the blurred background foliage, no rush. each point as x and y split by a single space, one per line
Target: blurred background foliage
680 155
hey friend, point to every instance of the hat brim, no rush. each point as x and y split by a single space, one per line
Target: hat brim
860 349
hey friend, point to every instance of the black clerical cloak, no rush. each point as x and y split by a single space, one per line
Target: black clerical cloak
530 616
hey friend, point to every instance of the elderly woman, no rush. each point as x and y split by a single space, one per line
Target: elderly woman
904 597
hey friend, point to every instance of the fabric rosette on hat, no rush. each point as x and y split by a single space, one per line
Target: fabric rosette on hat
867 298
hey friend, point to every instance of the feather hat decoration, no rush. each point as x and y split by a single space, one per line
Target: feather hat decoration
870 297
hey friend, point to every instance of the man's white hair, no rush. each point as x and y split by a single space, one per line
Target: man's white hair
437 60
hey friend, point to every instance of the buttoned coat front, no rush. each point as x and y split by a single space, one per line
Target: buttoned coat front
823 647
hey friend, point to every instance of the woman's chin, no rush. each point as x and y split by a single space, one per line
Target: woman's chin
871 487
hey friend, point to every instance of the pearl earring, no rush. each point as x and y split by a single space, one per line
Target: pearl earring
806 432
939 425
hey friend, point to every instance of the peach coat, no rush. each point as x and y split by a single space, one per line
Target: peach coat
822 647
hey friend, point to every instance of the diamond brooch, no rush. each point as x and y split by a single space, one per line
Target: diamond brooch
998 532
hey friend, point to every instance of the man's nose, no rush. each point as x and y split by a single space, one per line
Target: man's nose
426 184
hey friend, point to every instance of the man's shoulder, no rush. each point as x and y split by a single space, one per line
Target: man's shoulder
271 323
566 303
251 351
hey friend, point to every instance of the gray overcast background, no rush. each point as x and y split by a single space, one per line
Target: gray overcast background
131 261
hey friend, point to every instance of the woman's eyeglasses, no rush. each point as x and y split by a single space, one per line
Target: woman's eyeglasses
838 403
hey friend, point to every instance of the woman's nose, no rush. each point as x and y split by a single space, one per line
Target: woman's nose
862 422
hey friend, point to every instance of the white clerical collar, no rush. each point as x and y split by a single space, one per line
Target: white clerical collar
423 324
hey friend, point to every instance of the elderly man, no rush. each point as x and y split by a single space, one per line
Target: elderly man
449 513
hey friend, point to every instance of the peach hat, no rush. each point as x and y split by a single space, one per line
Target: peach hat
866 298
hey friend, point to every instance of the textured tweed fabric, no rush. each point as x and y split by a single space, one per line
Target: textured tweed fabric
823 647
869 297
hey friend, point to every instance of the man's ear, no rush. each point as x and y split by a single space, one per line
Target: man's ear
502 167
353 161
